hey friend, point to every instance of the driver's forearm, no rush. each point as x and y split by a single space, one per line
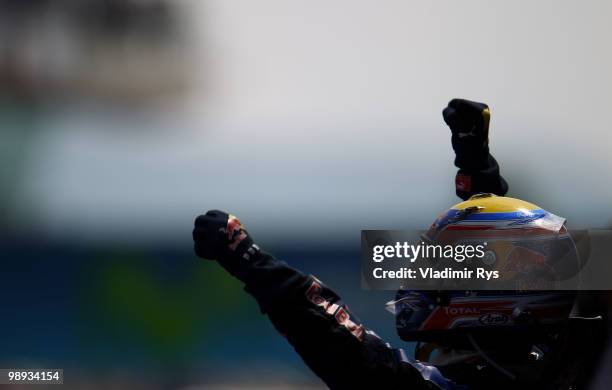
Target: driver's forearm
323 331
270 281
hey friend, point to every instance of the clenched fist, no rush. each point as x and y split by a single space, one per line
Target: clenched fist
469 124
218 235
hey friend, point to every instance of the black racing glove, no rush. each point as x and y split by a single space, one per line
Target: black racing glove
220 236
478 169
469 124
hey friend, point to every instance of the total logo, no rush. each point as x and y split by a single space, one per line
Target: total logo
461 310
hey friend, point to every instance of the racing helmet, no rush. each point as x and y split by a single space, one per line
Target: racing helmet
523 239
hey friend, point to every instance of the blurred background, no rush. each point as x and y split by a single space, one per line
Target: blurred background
121 120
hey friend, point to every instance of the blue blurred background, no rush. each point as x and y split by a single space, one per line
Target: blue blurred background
120 121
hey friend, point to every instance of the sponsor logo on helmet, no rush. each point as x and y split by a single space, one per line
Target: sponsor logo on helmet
461 310
493 319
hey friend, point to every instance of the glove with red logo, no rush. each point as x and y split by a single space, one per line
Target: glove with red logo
220 236
478 170
469 124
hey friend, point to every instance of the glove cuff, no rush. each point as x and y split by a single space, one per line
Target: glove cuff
238 260
473 181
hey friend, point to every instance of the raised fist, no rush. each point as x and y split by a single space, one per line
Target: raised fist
469 124
218 235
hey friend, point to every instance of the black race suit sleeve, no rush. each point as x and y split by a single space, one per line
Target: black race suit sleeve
323 331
